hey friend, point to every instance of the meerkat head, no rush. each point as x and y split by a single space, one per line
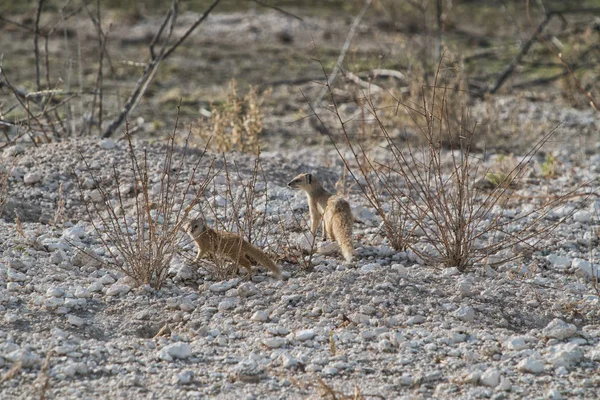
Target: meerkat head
301 181
195 226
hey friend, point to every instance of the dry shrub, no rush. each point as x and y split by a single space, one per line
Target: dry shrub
142 238
432 191
236 124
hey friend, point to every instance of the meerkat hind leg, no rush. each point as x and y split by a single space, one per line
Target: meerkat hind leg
326 229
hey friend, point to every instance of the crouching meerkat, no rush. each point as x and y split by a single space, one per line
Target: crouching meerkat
333 210
227 245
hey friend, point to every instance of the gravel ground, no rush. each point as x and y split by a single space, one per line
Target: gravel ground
388 324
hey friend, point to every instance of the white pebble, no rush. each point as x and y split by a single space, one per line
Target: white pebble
108 144
516 343
75 320
305 334
559 329
223 286
465 313
117 289
491 377
178 350
226 304
582 216
530 365
32 177
260 316
55 292
273 342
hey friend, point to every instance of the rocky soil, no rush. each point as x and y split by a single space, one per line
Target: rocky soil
388 325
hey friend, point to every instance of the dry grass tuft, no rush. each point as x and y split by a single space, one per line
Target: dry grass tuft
236 124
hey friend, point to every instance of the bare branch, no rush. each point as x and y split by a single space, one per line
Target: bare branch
36 50
331 79
152 67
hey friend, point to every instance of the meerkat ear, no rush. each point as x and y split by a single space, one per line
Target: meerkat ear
309 178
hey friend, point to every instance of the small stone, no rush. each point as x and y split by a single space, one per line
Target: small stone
406 380
565 355
53 302
95 287
17 265
96 196
55 292
247 289
559 262
491 377
559 329
452 271
504 385
415 320
187 307
585 268
108 144
117 289
304 335
70 370
223 286
465 288
107 280
15 276
288 361
178 350
227 304
330 371
594 353
10 318
274 342
327 248
465 313
75 320
32 177
554 394
74 233
260 316
184 377
400 269
516 343
82 293
582 216
530 365
370 267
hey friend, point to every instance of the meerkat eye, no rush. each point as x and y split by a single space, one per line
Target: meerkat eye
309 178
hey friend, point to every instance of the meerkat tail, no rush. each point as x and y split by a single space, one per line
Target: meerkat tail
342 229
259 256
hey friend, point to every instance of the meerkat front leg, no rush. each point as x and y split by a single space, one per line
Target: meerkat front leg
199 255
315 218
244 262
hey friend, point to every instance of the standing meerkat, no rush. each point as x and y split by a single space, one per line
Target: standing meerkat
333 210
228 245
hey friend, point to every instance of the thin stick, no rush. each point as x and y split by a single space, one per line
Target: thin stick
36 50
342 55
511 67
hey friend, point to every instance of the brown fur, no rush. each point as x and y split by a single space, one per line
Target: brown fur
333 210
228 245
